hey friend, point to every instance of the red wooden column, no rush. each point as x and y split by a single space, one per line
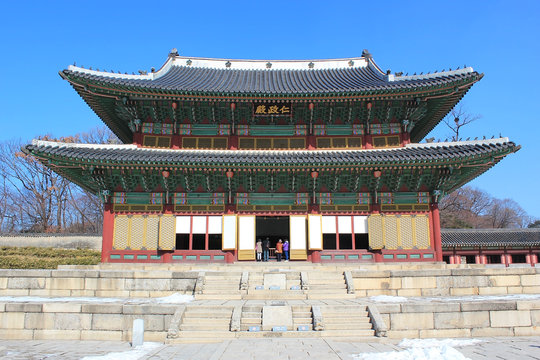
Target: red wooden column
436 222
108 231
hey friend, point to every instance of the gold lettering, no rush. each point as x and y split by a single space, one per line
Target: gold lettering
273 109
261 109
285 109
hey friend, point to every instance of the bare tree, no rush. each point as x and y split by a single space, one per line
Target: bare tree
457 118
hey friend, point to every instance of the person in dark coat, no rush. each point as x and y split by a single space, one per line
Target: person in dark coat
266 249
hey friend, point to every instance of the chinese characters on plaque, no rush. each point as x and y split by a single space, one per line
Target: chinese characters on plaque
272 108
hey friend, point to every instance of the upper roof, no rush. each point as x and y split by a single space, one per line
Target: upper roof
490 237
276 77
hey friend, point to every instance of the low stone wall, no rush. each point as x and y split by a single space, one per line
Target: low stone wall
101 283
53 240
447 282
462 319
70 321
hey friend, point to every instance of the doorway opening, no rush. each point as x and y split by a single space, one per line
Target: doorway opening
273 228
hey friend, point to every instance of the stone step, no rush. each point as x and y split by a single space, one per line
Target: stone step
205 327
206 334
252 308
352 320
206 321
255 321
302 320
355 326
326 281
330 286
209 308
348 333
222 291
251 314
208 315
297 314
343 309
274 295
310 326
218 296
330 296
301 308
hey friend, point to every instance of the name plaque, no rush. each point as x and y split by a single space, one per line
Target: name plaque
272 108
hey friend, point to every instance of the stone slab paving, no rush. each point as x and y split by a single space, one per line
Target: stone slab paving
509 348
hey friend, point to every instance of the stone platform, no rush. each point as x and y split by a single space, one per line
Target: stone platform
229 301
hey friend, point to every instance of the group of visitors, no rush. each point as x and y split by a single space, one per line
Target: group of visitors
263 249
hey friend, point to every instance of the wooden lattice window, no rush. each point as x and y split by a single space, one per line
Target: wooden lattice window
157 141
385 141
204 143
272 143
339 142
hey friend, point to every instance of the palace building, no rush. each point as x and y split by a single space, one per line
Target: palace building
219 152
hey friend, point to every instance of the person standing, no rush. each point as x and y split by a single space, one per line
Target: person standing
286 250
279 249
259 250
266 249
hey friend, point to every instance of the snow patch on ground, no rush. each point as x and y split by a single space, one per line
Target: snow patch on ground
388 298
133 354
171 299
423 349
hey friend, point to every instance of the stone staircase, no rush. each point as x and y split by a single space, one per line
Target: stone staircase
346 321
251 316
221 285
256 279
205 323
327 285
302 316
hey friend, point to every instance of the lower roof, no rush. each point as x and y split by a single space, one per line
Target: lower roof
426 153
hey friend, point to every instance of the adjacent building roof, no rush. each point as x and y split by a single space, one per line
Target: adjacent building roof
490 237
273 77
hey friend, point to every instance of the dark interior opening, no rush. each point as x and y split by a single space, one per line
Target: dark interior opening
361 241
198 241
471 259
214 242
519 258
272 227
329 241
493 259
446 259
182 241
345 241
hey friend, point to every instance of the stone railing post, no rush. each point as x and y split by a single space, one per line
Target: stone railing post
349 281
318 321
236 318
244 280
377 321
176 321
304 281
199 284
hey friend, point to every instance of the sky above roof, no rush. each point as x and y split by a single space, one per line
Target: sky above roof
498 38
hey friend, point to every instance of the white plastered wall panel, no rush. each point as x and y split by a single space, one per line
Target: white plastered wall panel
199 225
344 224
183 224
315 232
246 232
229 232
360 225
329 225
214 224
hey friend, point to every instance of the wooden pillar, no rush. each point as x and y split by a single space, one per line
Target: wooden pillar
478 259
108 232
206 236
436 222
368 141
190 247
337 233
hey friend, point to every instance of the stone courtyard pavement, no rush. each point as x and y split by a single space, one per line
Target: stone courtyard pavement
522 348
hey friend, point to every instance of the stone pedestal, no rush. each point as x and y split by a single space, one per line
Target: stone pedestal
275 281
277 316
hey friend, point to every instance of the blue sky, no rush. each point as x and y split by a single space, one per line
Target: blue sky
498 38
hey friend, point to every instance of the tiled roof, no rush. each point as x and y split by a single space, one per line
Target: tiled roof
270 77
490 237
412 153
